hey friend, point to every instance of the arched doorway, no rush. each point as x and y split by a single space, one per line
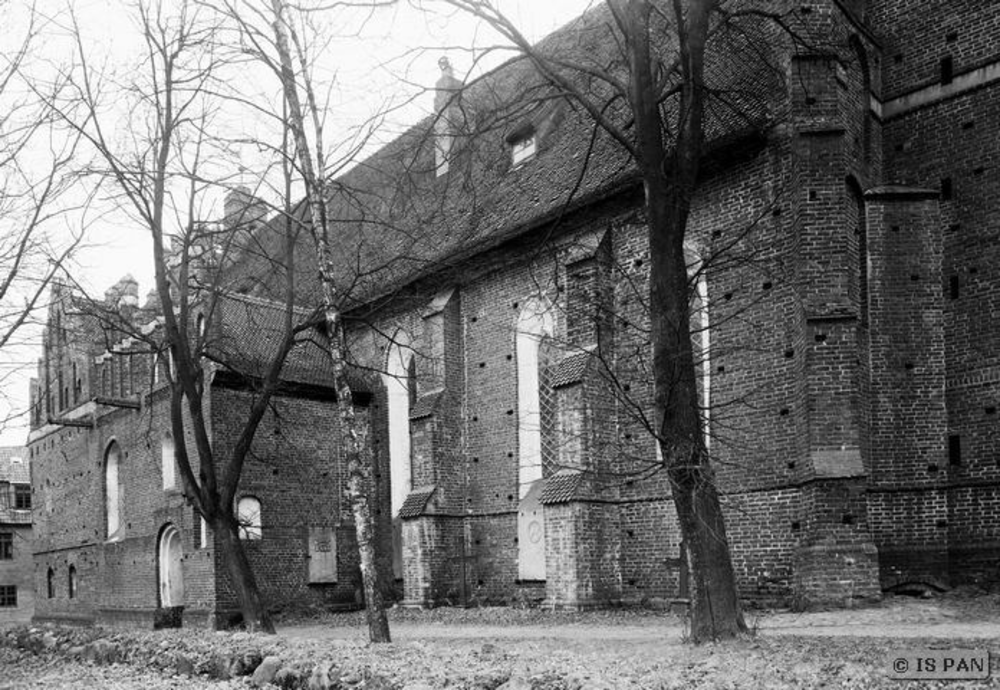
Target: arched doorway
171 575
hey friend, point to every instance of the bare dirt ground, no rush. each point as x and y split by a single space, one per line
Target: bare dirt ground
644 634
512 649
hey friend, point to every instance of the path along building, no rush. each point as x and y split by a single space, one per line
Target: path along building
843 255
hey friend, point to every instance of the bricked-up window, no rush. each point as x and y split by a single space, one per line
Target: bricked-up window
399 384
6 546
112 491
248 517
856 198
50 584
71 584
534 324
22 497
8 596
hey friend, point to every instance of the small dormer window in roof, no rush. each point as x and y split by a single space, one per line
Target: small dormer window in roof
522 149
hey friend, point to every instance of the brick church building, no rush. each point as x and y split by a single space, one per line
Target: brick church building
844 289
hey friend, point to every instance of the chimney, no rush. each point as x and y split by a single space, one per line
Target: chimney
447 115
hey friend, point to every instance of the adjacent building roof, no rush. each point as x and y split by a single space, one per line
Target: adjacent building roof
14 466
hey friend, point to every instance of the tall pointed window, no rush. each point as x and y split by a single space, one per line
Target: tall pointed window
168 462
534 324
112 490
248 516
398 381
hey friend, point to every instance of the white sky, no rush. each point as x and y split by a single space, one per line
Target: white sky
390 58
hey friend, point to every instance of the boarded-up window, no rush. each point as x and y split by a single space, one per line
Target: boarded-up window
322 555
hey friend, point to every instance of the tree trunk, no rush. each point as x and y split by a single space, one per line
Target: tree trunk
669 177
241 577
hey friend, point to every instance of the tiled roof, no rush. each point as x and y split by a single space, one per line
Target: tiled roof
570 369
416 502
562 487
14 466
425 405
246 333
394 219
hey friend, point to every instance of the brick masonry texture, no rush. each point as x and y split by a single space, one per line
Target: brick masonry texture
851 367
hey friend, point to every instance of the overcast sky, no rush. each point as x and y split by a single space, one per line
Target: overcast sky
389 57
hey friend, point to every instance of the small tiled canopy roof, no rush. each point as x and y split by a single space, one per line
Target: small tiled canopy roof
416 502
570 369
561 487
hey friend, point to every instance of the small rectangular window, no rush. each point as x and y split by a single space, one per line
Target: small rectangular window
955 450
947 70
22 497
6 546
8 596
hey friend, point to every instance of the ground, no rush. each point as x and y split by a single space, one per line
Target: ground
487 648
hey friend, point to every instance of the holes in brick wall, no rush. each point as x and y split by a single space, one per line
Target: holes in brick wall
954 227
510 413
721 369
941 524
716 234
791 464
820 337
474 319
894 228
914 277
789 354
510 497
899 147
515 305
932 468
475 418
990 409
947 69
477 542
953 287
951 36
637 263
811 100
847 519
973 270
510 357
481 583
475 459
482 365
630 532
783 412
275 471
767 285
515 540
969 124
954 450
947 190
908 366
796 526
979 171
776 211
627 387
897 58
813 194
728 296
510 454
806 9
468 500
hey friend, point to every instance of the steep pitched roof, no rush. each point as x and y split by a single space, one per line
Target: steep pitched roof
393 219
14 467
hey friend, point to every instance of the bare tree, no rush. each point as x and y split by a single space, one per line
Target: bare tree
649 89
35 176
313 168
178 95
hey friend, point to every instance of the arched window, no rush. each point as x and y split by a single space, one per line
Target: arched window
71 582
534 324
171 571
701 338
248 516
168 462
50 583
112 490
398 381
866 89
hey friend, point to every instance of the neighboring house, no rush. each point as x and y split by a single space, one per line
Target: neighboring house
17 595
117 542
844 259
